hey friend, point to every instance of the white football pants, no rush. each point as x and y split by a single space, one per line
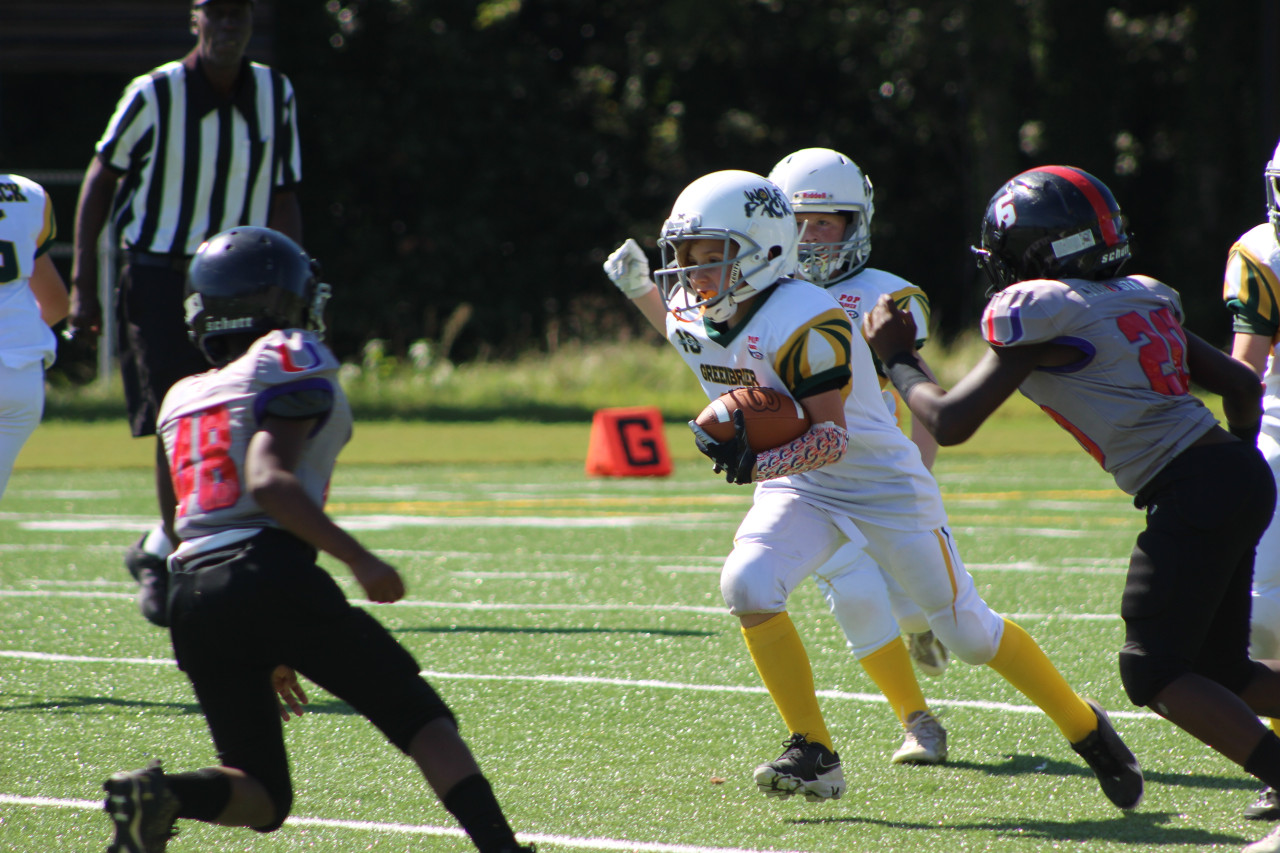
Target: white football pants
783 540
21 405
1265 622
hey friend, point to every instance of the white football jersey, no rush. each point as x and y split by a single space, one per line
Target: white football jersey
859 293
796 339
1127 400
1250 288
207 420
27 229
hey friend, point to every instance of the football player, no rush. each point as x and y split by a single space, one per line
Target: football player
1106 356
731 308
1250 287
33 297
250 448
834 204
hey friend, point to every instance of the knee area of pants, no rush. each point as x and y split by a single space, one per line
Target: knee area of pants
973 647
1143 677
282 802
743 596
972 654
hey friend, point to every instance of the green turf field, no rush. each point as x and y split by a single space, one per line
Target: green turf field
576 627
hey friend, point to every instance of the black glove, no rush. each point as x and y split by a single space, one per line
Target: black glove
734 457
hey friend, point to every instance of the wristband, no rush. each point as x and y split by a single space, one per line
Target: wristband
904 371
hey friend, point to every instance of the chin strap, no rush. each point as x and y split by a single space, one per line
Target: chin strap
823 444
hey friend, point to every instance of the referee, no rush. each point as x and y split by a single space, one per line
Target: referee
195 146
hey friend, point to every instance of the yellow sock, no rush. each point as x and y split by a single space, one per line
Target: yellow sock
1025 665
1275 726
783 665
890 668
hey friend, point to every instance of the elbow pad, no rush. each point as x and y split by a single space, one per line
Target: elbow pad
823 444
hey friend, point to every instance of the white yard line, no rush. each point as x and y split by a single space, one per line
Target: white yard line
415 829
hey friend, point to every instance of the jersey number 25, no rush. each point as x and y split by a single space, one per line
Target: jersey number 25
1162 355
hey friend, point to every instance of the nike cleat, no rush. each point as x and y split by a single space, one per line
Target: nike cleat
1117 770
805 767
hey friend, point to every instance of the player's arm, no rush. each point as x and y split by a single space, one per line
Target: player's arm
1252 350
1232 379
50 291
950 416
270 461
920 436
94 206
822 444
628 269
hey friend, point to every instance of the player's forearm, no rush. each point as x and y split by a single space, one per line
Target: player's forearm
282 497
50 291
654 309
822 444
92 210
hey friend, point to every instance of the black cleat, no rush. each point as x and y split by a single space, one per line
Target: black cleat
142 808
805 768
1111 761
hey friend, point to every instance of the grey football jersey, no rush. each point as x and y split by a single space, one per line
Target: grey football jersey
1127 400
207 420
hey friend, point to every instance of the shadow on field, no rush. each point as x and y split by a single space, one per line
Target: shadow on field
1146 829
1020 765
77 704
493 629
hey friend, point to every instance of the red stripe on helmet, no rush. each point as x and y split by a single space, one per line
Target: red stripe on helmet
1081 181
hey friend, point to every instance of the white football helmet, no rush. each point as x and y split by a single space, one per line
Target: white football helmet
758 228
1271 176
819 180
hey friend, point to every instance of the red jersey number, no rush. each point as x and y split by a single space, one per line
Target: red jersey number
1163 351
202 465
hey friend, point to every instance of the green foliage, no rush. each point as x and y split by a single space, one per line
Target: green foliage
493 153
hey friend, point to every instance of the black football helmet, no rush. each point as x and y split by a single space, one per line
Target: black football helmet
249 281
1052 222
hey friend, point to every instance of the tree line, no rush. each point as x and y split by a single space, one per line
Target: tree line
478 160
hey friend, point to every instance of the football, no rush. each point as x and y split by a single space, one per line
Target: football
772 418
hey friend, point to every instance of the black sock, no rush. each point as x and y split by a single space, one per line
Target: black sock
472 802
202 794
1264 761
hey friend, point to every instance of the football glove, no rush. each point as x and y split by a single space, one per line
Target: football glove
628 269
733 457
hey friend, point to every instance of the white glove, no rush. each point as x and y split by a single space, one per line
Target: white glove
628 269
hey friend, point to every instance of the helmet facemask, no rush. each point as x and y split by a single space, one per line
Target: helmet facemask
829 263
1271 177
720 303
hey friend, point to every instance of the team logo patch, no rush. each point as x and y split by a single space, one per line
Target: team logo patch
1006 213
753 346
291 363
1002 327
767 201
852 305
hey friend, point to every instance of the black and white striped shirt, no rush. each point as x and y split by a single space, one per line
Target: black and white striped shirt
195 164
